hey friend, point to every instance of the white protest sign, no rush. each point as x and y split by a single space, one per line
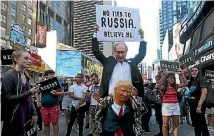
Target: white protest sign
117 23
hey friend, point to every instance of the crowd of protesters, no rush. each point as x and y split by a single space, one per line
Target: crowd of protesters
118 104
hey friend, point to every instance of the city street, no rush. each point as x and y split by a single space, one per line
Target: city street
184 130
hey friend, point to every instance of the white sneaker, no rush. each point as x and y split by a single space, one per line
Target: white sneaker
209 128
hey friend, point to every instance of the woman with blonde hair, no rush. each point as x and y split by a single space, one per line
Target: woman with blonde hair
18 111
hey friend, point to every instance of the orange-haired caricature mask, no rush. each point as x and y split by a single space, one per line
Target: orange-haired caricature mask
123 93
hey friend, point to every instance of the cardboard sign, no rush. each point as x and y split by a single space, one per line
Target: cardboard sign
94 89
6 57
170 65
209 74
117 23
30 130
49 85
65 87
187 60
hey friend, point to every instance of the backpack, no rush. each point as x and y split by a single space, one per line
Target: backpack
209 101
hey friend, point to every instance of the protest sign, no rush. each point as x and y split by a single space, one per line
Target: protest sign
117 23
65 87
94 89
6 57
49 85
170 65
209 74
30 130
68 63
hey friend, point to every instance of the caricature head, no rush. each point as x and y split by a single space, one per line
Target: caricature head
123 90
21 58
120 51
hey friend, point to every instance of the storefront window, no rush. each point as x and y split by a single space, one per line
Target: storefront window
208 26
196 37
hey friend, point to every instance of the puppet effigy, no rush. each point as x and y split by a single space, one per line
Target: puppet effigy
120 114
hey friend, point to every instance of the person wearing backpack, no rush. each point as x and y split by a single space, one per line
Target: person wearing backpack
210 109
170 101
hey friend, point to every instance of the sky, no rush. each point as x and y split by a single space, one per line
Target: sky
149 16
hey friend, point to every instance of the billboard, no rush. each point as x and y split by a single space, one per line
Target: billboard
68 63
41 35
177 48
90 66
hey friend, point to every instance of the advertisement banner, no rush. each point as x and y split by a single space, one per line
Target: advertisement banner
36 59
187 60
90 66
17 37
206 58
117 23
68 63
41 35
177 48
40 69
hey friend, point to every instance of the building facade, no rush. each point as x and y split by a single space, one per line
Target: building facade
83 24
197 35
170 13
20 13
57 15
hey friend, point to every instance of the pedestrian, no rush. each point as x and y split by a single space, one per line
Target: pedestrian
18 110
78 94
158 105
50 107
67 102
148 102
170 101
118 67
198 91
119 114
88 83
93 88
210 110
184 107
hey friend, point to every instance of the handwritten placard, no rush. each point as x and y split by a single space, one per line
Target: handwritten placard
117 23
